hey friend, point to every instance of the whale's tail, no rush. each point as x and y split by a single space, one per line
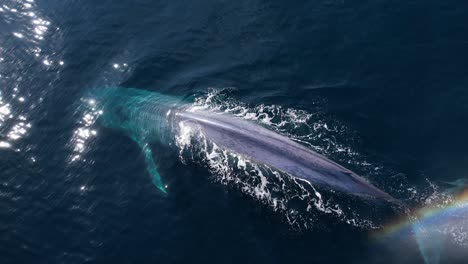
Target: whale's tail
280 152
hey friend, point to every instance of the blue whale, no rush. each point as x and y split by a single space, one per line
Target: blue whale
148 117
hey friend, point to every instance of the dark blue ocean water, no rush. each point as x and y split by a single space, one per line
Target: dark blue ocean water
377 86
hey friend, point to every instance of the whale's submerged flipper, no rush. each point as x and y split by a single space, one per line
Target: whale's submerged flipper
141 115
280 152
151 167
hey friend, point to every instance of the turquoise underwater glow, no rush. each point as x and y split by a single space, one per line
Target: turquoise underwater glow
141 115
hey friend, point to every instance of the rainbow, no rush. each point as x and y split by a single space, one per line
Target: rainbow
447 213
431 226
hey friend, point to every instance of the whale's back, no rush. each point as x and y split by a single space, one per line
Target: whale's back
280 152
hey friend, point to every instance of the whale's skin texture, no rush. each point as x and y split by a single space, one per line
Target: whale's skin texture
153 117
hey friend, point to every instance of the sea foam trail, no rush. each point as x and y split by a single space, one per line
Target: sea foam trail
301 202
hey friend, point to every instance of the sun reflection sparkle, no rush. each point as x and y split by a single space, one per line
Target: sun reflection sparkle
85 131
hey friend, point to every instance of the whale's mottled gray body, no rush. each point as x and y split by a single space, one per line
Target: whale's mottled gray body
267 147
148 116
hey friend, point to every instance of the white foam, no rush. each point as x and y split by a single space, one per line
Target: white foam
300 202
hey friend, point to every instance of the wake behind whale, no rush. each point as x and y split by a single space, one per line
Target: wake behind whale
148 117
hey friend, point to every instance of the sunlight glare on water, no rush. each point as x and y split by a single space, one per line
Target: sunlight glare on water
15 97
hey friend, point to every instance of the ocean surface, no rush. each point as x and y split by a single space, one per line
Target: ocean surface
380 87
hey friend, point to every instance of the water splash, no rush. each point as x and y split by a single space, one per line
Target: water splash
300 202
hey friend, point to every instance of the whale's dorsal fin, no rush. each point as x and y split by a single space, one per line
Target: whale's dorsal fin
150 165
